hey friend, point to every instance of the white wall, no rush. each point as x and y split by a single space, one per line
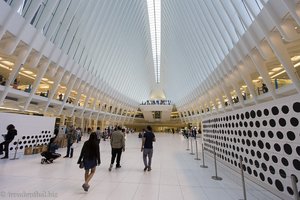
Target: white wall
267 136
32 130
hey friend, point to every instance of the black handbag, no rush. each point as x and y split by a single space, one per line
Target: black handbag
81 165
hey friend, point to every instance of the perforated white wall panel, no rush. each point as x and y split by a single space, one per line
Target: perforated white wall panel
32 130
267 136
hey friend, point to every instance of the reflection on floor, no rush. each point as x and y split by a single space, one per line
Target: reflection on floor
175 175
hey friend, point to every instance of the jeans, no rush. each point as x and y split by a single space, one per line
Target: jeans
147 153
69 149
114 153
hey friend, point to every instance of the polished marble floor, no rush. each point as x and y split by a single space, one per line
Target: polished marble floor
175 175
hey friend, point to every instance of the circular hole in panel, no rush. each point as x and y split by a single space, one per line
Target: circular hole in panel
285 162
290 190
275 159
264 122
294 121
21 147
252 114
241 124
270 181
251 161
255 133
266 156
279 135
242 116
260 144
255 173
279 185
15 143
282 173
272 123
298 150
23 138
268 146
247 115
285 109
258 113
253 143
249 134
11 148
291 135
266 112
258 154
262 176
257 124
28 137
264 167
249 170
252 152
256 163
282 122
272 170
251 123
275 110
277 147
245 124
296 164
237 116
287 149
262 134
270 134
296 107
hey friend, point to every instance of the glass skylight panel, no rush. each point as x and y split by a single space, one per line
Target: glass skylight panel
154 13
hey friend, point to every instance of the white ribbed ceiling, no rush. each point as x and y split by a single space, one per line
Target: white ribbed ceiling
112 39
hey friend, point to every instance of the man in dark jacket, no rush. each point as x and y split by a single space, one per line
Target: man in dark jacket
11 133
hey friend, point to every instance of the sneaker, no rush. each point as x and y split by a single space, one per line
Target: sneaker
5 157
149 169
66 156
118 166
145 169
110 167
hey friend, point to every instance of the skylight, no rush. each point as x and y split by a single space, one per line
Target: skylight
154 12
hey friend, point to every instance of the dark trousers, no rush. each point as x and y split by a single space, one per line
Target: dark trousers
4 147
69 150
114 153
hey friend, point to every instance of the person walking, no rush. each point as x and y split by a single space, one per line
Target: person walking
90 156
8 138
147 147
117 142
71 138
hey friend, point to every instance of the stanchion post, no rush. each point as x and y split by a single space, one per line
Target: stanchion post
203 163
16 149
243 178
216 177
197 154
294 185
187 143
192 150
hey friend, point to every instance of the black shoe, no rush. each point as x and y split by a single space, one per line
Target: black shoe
66 156
149 169
5 157
145 169
118 166
85 187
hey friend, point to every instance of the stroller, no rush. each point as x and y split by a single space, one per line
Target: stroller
49 156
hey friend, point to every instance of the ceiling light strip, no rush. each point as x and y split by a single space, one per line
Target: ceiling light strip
154 13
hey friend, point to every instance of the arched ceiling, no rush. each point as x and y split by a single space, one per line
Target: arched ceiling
111 39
